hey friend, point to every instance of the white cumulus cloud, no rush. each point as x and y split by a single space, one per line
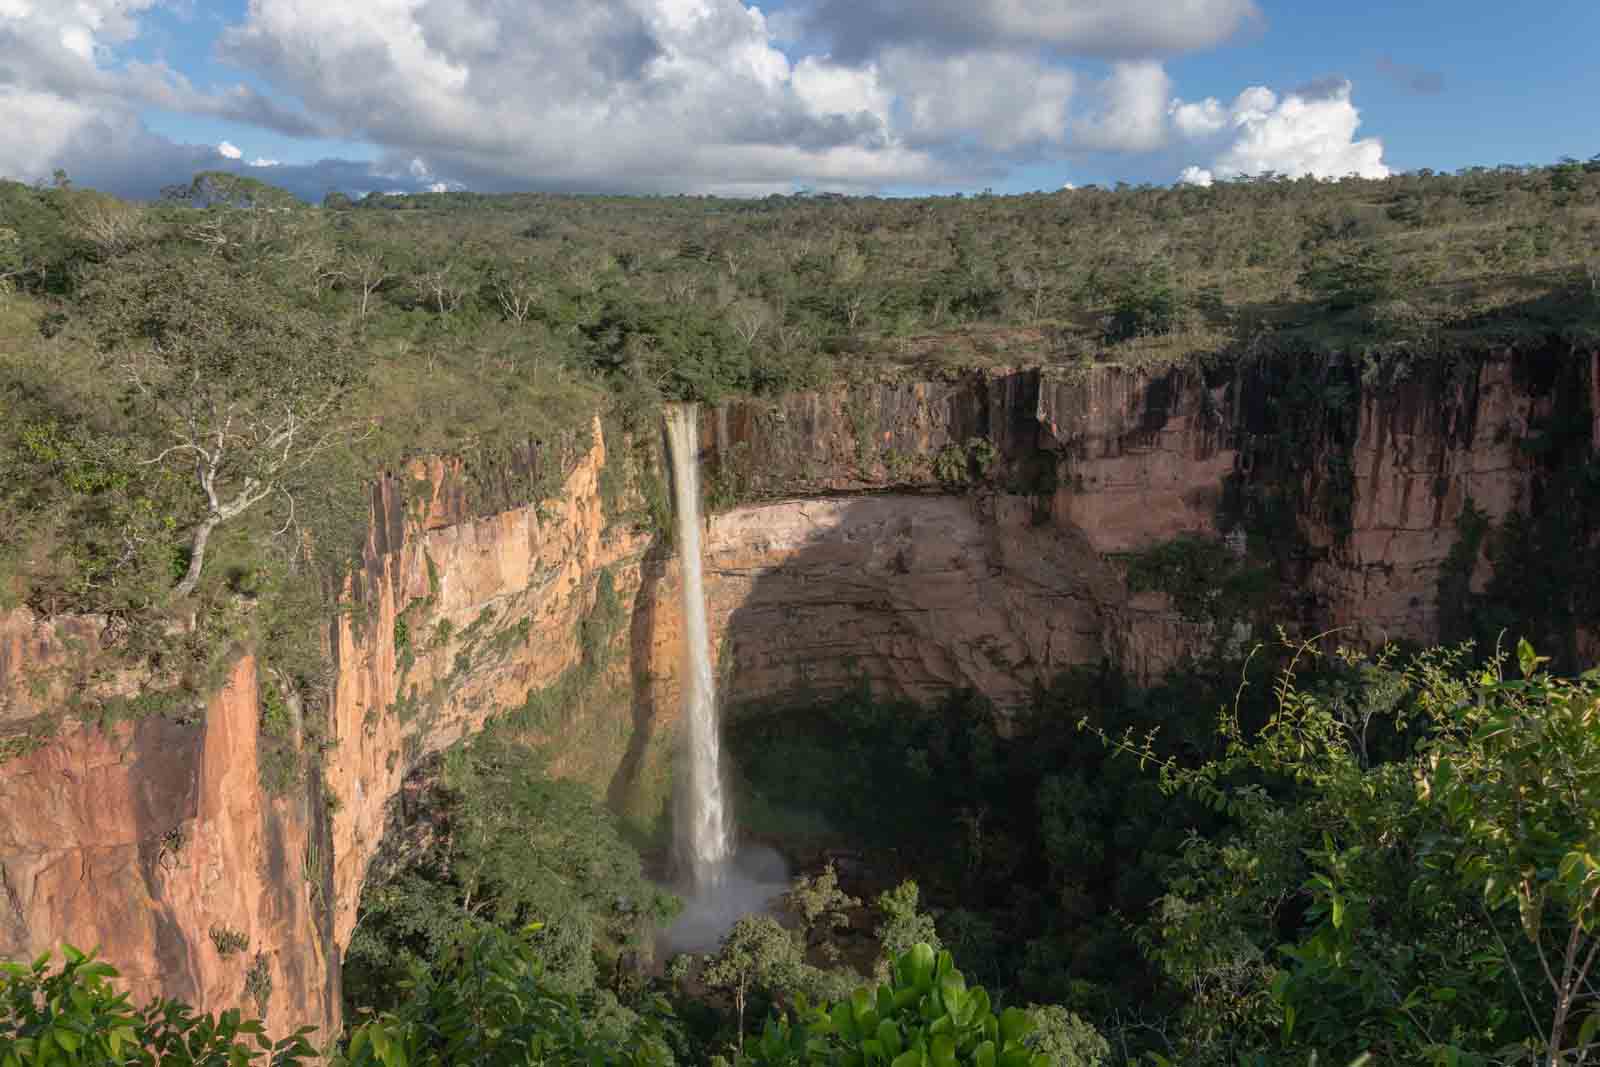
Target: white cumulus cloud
654 95
1132 116
1002 100
666 94
1308 132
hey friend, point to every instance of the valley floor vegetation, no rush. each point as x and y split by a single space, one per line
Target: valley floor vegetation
1364 859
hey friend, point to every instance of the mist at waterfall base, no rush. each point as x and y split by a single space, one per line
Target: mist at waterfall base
718 883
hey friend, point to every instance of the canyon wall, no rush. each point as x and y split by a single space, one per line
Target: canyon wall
1068 474
155 842
156 839
971 532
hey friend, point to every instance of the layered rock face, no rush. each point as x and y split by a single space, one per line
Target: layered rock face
155 842
1080 469
1419 456
916 594
921 535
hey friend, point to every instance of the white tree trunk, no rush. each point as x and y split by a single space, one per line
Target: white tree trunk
197 556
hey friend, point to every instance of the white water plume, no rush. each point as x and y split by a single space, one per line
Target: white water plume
704 840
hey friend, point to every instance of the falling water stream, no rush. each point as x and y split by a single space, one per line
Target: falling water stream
705 843
718 884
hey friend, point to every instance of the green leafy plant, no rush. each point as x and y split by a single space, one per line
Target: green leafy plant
258 982
523 849
820 904
1145 301
74 1017
1351 277
951 467
903 924
924 1015
487 1002
1434 829
756 955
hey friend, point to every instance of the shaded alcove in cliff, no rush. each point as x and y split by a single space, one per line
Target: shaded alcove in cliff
646 707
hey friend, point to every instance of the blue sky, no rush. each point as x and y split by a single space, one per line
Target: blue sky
720 96
1521 82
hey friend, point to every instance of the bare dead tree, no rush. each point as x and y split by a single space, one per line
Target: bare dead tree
368 271
789 337
749 319
242 389
681 288
318 262
854 306
1035 287
584 274
112 226
445 285
518 297
211 231
224 439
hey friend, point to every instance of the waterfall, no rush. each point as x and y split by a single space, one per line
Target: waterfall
704 844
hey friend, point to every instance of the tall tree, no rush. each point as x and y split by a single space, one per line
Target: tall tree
757 954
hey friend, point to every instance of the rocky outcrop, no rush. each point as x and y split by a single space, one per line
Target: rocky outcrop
1421 453
154 842
973 532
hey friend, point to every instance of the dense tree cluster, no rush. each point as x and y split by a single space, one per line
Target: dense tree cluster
1397 865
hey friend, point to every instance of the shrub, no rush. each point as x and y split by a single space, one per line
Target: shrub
1145 301
1351 277
258 983
73 1016
924 1014
489 1004
228 940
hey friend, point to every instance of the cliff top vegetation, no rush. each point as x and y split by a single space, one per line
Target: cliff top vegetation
196 390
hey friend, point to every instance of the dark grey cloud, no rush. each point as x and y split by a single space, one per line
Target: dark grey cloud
117 154
1324 88
1414 79
855 30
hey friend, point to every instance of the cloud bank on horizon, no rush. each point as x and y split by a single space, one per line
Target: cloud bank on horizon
713 96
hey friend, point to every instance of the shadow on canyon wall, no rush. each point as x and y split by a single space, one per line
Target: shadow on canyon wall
647 607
